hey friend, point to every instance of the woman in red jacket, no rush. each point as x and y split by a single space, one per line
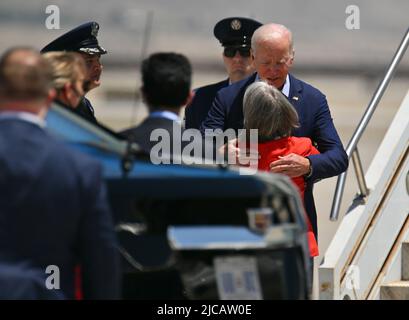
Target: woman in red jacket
266 109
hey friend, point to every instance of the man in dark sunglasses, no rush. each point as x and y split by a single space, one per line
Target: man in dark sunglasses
230 52
234 35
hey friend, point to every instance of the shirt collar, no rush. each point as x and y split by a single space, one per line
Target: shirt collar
286 88
24 116
165 114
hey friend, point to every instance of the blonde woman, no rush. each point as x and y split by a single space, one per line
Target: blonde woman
69 77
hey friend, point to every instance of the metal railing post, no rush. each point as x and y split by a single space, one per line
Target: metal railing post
359 172
350 150
339 190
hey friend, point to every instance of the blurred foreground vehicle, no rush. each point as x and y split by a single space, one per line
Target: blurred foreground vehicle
196 232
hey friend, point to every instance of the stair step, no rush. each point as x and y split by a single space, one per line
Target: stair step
405 261
398 290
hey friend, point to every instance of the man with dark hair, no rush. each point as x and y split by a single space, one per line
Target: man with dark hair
166 81
234 34
53 204
83 39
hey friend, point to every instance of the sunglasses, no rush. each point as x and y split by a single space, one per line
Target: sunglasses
230 52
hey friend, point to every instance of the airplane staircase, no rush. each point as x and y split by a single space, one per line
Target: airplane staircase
368 257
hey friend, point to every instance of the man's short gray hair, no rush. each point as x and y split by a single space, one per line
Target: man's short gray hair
265 108
267 31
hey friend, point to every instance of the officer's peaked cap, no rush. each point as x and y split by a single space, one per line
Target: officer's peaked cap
80 39
235 31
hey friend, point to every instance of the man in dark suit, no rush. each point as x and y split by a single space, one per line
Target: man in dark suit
234 35
19 281
166 82
83 39
166 79
53 207
273 54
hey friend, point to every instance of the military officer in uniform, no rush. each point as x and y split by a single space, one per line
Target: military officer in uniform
83 39
234 35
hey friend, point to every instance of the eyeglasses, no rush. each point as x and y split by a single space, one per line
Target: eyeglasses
230 52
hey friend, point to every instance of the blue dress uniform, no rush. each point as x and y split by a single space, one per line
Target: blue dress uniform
315 123
82 39
196 112
86 110
233 33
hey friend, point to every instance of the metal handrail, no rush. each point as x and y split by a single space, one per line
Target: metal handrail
359 173
352 145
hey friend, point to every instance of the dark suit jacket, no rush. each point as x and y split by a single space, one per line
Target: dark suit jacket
19 281
197 110
142 136
315 123
53 210
86 110
156 245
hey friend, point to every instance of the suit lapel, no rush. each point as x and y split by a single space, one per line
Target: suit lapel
296 99
237 118
295 96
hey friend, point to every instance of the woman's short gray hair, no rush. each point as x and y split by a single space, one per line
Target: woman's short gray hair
265 108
